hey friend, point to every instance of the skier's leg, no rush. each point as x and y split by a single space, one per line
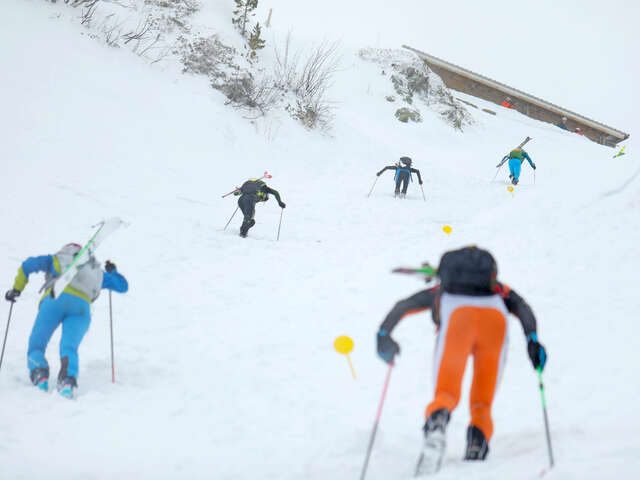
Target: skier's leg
405 183
49 317
398 181
514 167
454 344
247 204
74 327
488 360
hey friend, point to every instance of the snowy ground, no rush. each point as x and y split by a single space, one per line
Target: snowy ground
224 360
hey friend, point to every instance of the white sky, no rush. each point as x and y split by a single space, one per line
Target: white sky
581 55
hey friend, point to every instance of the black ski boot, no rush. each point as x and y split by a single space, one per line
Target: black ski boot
514 180
40 378
244 228
434 443
477 446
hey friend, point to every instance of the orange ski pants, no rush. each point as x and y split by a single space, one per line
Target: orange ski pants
470 326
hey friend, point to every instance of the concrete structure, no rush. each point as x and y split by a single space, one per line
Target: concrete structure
466 81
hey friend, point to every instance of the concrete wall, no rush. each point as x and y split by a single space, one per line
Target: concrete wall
466 85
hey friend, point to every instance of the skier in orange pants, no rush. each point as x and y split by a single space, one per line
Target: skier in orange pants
470 308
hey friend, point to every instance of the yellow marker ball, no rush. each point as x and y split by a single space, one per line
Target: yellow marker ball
343 344
447 229
510 188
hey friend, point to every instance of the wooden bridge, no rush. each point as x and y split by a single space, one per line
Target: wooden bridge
466 81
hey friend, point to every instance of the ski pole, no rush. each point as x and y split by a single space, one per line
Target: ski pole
233 215
113 370
497 171
374 184
5 334
280 224
546 419
375 425
421 188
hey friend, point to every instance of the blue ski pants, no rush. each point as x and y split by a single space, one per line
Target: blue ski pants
74 313
514 167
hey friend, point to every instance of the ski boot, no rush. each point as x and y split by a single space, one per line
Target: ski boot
67 386
514 180
40 378
434 443
477 446
244 228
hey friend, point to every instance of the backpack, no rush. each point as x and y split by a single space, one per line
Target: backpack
468 271
517 153
251 187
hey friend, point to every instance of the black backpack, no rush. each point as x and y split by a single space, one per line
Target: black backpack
468 271
251 186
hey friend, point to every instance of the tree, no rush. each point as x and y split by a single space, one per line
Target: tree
255 42
242 14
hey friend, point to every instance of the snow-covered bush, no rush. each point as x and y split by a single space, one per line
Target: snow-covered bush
413 81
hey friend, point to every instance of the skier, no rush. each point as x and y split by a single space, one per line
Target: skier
71 309
516 157
403 175
251 192
469 307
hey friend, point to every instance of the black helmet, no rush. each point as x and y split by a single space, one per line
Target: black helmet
406 161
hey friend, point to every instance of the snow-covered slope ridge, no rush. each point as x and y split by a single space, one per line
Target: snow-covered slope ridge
224 359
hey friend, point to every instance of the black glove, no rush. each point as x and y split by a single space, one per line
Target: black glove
109 267
12 294
534 166
387 346
282 205
420 182
378 174
537 353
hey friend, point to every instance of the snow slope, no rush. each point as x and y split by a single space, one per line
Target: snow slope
224 359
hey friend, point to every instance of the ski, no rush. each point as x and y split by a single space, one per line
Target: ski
620 153
105 229
427 270
266 175
524 142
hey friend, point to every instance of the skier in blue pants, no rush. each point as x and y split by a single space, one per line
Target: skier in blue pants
516 157
71 309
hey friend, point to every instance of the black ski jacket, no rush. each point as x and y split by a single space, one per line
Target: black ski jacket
400 167
430 299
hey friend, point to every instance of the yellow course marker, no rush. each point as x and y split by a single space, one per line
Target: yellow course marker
344 345
447 229
510 188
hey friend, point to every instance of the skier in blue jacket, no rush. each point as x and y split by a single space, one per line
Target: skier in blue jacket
71 309
403 176
516 157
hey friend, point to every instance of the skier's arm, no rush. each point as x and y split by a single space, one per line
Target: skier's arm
275 194
43 263
526 155
114 281
419 302
390 167
521 309
417 172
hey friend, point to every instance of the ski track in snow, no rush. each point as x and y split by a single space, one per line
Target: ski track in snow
224 359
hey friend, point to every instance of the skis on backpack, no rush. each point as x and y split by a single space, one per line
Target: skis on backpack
266 175
427 270
524 142
58 284
620 153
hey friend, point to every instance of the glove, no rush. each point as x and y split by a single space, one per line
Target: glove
387 346
534 166
282 204
12 294
109 267
537 353
378 174
420 182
